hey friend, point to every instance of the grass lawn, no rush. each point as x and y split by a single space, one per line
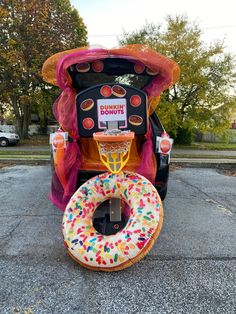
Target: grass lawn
173 155
36 140
207 146
22 153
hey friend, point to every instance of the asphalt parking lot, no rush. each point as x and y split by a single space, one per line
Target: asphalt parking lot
191 269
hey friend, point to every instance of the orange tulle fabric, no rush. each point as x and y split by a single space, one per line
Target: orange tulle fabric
82 154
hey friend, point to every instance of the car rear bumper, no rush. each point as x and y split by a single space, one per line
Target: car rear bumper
13 140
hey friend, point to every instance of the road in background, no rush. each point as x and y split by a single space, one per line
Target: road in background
191 269
203 152
26 148
179 151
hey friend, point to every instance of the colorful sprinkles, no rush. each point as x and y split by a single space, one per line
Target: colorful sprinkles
97 250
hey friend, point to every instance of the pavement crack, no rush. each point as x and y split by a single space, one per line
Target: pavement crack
188 258
209 199
221 207
29 215
9 234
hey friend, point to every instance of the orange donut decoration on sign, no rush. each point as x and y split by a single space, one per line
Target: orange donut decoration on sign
139 68
87 104
135 120
106 91
118 91
152 72
88 123
83 67
98 66
135 100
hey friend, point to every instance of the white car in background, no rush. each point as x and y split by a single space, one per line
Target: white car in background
7 138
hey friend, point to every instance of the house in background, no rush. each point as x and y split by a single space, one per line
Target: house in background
234 121
34 127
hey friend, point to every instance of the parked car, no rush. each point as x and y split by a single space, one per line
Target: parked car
7 138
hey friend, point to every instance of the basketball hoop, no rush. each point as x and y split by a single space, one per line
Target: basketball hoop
114 148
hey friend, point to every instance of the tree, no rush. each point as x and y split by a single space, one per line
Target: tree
203 98
31 31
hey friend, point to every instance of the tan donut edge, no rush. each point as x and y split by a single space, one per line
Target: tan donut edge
135 259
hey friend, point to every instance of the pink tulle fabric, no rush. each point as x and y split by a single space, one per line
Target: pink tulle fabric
64 110
147 166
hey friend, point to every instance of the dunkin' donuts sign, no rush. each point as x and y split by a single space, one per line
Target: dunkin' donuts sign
112 110
111 106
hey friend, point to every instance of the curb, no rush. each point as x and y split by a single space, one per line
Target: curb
22 161
213 161
204 163
226 166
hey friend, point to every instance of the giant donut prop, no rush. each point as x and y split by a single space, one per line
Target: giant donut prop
96 251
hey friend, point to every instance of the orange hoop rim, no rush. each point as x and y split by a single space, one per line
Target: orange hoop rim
122 137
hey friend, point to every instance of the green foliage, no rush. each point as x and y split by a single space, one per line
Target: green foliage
31 31
184 136
42 105
204 97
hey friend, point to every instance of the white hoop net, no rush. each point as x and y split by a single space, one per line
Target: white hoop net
114 147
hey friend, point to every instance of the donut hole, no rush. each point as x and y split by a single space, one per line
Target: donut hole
102 222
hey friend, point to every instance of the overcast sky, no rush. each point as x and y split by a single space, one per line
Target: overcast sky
106 19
